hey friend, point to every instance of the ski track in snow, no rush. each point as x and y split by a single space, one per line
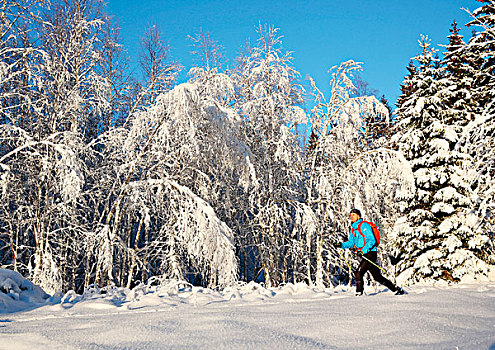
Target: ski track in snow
290 317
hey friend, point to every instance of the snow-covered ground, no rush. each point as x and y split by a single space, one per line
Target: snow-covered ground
173 316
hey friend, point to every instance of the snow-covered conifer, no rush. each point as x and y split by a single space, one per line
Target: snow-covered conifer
434 236
478 136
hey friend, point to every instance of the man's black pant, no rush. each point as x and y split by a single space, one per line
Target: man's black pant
366 266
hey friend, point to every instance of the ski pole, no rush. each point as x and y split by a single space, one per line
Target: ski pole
381 268
347 263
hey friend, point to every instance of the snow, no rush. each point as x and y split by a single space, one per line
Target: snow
177 315
442 208
18 293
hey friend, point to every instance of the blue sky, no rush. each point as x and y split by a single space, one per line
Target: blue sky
321 34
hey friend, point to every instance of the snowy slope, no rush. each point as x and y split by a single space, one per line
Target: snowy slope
176 316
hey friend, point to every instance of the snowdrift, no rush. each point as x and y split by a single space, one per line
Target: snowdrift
176 315
172 293
18 293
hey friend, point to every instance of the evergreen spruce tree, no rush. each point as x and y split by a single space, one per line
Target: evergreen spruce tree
479 135
432 237
408 86
458 71
480 50
468 243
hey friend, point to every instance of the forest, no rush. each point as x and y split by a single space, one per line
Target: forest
108 176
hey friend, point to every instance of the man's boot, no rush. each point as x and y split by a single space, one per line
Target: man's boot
359 288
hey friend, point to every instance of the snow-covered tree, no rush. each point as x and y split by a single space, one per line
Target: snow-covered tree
41 170
159 71
268 98
76 94
19 58
435 238
479 135
170 161
207 51
44 153
107 180
114 65
45 180
344 172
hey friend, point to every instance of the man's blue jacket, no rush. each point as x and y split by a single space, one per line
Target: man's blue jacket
357 241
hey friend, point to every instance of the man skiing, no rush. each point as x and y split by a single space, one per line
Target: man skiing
363 241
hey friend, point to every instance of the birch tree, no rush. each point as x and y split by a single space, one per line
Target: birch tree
159 70
345 172
268 99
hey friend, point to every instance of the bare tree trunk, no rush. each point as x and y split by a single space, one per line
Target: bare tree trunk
285 272
73 278
308 258
133 256
87 268
65 263
319 260
144 275
39 241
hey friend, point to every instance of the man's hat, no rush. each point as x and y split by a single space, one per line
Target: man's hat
356 211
